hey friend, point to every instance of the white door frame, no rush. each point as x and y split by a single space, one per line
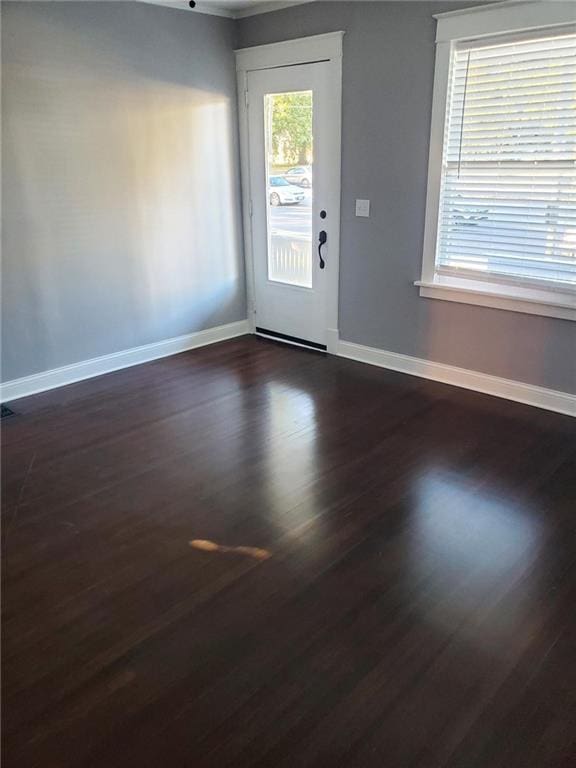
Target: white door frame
305 50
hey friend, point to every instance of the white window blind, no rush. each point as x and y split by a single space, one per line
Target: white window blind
508 192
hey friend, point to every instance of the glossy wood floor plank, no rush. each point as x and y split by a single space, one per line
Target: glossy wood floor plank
415 610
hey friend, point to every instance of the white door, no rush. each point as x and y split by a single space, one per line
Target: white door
294 179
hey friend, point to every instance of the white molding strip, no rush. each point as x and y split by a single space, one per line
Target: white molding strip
267 7
208 8
540 397
497 18
216 8
529 302
87 369
302 50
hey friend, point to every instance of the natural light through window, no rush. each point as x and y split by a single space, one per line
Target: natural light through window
508 200
506 208
288 131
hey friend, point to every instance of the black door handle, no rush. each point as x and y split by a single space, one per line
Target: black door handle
321 240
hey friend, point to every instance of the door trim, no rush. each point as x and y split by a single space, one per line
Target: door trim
305 50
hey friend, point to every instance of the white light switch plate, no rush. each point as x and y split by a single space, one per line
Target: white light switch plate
362 207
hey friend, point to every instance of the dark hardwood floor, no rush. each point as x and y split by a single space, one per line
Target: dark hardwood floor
413 605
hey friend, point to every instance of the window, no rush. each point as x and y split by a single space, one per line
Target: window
508 195
501 212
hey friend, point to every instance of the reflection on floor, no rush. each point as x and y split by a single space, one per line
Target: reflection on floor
417 610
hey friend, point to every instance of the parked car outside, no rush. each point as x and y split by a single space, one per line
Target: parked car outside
301 175
282 192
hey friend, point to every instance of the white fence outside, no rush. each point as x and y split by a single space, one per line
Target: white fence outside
290 261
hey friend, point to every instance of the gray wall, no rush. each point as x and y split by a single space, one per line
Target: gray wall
121 195
120 179
388 73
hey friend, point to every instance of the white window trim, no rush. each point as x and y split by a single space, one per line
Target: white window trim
470 24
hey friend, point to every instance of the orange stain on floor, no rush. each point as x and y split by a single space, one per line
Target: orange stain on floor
211 546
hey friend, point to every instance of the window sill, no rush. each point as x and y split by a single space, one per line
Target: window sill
516 299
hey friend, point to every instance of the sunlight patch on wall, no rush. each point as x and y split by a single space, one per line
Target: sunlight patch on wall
122 207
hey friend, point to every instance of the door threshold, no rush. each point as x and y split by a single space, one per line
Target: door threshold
293 340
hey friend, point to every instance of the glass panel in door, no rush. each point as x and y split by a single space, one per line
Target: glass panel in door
288 139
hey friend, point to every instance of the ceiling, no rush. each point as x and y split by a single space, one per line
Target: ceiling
234 9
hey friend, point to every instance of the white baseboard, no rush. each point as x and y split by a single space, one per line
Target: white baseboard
332 340
86 369
549 399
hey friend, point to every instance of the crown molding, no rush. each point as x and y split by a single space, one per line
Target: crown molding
214 9
201 7
268 7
